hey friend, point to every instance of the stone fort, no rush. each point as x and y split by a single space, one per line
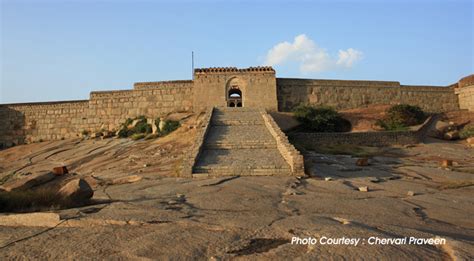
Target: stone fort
254 87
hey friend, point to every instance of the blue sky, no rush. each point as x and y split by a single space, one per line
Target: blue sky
62 50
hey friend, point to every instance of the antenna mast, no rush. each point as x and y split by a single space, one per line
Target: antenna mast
192 64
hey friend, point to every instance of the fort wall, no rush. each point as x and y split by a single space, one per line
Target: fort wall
465 92
30 122
353 94
105 110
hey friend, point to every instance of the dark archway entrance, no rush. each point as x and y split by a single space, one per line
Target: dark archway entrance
234 98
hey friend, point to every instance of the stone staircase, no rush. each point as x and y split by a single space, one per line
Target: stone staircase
239 143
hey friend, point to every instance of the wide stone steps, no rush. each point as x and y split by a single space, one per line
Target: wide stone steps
216 172
239 143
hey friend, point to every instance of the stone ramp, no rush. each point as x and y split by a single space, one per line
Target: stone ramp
239 143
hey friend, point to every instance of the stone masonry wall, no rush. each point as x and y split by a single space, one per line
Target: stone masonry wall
291 155
352 94
30 122
110 108
258 86
380 138
466 97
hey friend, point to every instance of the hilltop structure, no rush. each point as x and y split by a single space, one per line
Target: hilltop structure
254 87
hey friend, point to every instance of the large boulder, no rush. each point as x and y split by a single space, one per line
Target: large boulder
77 190
28 181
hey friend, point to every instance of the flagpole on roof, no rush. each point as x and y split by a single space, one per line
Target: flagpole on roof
192 64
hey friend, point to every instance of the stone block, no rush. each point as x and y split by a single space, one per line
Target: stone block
446 163
362 162
59 171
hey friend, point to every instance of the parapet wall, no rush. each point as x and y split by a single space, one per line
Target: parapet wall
353 94
466 97
291 155
105 110
110 108
380 138
30 122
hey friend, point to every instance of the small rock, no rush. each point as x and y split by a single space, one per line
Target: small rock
107 134
376 180
364 189
96 135
362 162
446 163
411 193
451 135
172 202
146 165
59 171
327 178
470 141
77 190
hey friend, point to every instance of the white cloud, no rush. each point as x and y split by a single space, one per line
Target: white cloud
348 57
309 56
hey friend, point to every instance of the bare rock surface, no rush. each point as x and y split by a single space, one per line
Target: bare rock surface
245 218
77 190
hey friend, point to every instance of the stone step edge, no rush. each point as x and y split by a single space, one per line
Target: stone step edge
238 146
200 169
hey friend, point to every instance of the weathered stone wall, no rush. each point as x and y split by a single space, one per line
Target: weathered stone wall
258 86
291 155
108 109
380 138
353 94
466 97
163 84
28 122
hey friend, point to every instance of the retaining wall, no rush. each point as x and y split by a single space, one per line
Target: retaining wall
105 110
354 94
291 155
380 138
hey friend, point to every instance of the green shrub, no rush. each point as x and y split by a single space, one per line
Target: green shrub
467 132
152 136
127 122
401 116
321 119
141 127
169 127
137 136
